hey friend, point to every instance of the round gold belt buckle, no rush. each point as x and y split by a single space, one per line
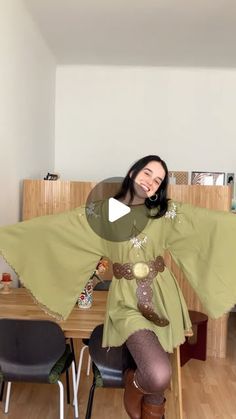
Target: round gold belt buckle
140 270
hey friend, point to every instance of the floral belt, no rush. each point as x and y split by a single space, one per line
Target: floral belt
143 272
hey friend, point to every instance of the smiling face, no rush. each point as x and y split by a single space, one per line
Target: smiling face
148 180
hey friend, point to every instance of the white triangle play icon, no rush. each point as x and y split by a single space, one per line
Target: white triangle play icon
116 210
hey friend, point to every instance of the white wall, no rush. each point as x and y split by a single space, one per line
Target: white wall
107 117
27 103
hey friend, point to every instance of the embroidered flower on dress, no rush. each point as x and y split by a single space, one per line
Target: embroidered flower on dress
90 210
138 243
171 213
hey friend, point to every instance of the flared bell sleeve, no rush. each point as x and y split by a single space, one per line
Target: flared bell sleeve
54 256
203 244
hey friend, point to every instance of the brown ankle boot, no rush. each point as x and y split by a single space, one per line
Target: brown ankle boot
154 411
133 395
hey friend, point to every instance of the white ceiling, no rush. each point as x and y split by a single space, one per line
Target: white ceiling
139 32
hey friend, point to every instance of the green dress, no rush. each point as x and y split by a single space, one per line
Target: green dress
55 255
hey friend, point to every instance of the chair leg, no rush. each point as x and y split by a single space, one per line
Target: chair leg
67 372
73 349
74 389
89 365
61 403
176 383
80 366
90 401
7 397
2 390
67 387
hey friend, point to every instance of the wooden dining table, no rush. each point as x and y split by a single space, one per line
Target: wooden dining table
19 304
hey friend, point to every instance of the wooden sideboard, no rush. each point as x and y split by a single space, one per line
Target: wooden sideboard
43 197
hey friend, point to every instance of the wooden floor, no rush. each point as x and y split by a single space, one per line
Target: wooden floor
209 392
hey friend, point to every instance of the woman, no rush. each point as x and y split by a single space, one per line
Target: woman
55 255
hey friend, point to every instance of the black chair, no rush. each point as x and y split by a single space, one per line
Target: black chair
100 286
2 385
35 351
108 365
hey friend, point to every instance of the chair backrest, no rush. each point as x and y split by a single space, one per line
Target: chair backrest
111 362
29 349
103 285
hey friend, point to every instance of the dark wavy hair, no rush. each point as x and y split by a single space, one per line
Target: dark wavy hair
161 203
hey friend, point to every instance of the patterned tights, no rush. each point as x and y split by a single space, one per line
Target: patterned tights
153 372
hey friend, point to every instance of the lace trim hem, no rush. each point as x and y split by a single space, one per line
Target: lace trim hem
41 305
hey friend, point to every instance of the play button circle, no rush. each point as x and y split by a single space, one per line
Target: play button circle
116 210
111 219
